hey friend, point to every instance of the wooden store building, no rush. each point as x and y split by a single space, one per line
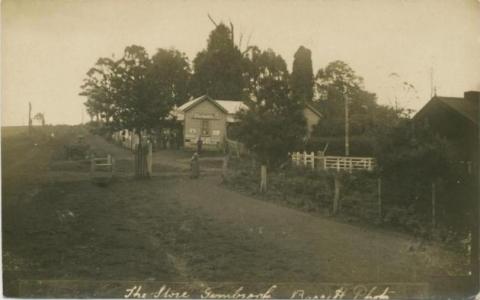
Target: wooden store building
209 119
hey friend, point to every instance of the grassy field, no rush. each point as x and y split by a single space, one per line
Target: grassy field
64 236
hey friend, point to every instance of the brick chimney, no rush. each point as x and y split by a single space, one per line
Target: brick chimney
473 96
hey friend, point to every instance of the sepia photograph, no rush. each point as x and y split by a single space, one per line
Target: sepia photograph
292 149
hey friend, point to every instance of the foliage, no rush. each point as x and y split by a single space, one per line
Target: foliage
361 145
136 92
257 64
171 73
218 69
411 159
334 84
404 151
40 117
273 125
98 89
301 79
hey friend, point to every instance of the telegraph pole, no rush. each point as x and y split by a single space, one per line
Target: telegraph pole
347 125
29 117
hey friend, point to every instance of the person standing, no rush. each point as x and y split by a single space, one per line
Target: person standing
195 166
199 145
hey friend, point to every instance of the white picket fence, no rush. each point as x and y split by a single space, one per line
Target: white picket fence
338 163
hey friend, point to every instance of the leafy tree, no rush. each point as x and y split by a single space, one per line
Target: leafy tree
135 92
335 84
273 125
337 81
170 72
258 63
218 69
98 89
40 117
137 107
301 80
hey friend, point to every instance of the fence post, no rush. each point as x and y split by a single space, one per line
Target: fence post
263 178
379 194
149 159
434 205
336 198
92 165
312 157
225 167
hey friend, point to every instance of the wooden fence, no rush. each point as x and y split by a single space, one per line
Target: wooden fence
338 163
101 169
236 148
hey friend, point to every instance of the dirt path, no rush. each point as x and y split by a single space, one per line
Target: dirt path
64 230
337 251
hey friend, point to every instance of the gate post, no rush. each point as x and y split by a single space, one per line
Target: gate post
149 160
336 199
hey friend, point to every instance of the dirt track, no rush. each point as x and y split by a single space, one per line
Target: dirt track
58 225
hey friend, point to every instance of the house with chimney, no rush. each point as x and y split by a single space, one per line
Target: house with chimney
456 120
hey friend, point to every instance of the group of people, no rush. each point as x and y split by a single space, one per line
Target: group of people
169 140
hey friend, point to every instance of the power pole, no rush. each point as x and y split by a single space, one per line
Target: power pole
433 88
347 125
29 117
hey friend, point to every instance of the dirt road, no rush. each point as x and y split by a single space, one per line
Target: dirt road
171 228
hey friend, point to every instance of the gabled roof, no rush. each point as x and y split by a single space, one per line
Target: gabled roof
462 106
227 106
466 108
231 106
192 103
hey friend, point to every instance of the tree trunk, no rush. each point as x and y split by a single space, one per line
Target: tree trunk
263 178
434 204
379 198
149 159
141 169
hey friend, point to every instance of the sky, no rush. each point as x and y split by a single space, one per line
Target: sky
49 45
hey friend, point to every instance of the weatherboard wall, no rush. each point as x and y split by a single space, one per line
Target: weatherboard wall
194 121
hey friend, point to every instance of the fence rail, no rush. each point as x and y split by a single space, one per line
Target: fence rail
339 163
236 147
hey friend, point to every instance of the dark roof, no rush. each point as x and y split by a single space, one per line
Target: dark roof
466 108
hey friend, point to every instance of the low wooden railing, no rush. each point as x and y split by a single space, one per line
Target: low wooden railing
338 163
236 147
105 164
